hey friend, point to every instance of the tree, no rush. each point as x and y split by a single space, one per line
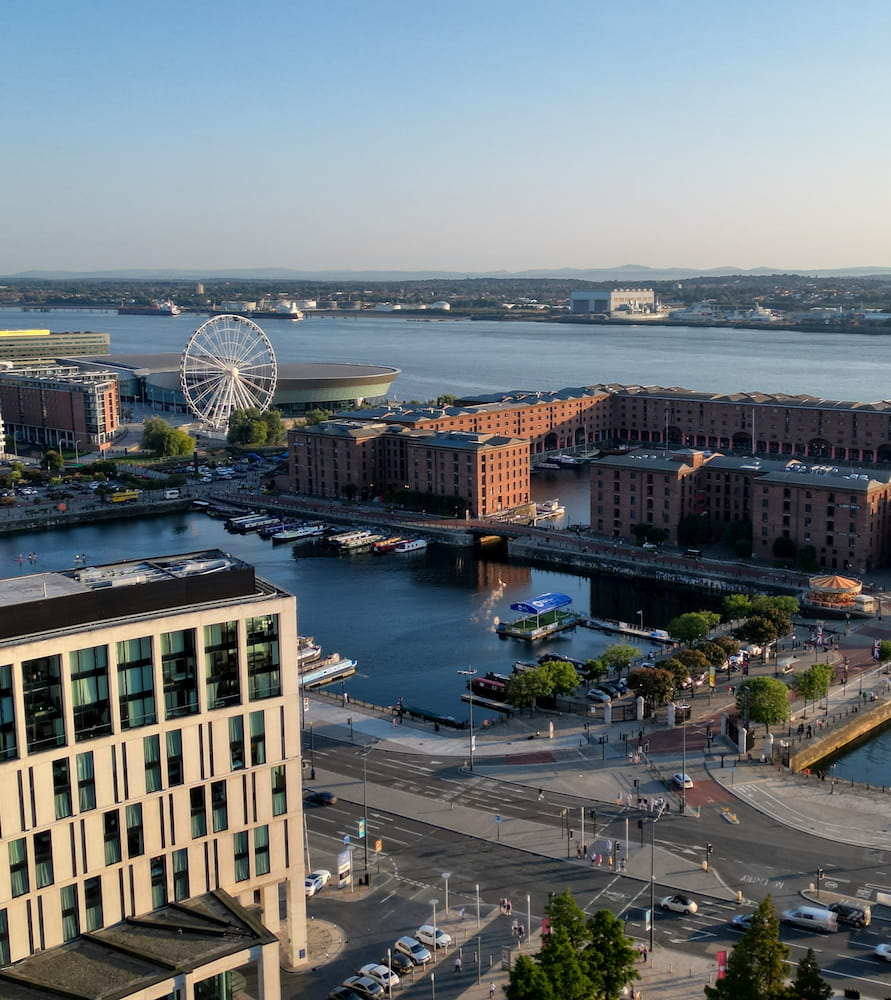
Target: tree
807 558
594 669
694 660
528 981
678 670
813 683
714 652
768 700
808 983
728 644
885 650
609 959
562 676
735 606
653 684
526 687
161 439
250 426
619 657
784 548
53 460
560 963
693 626
756 967
565 912
316 416
760 630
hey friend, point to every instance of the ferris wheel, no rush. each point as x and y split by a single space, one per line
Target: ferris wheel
228 364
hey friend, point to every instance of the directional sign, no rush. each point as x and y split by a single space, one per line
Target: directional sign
346 839
497 817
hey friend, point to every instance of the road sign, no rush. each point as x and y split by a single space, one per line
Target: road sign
497 817
361 827
346 839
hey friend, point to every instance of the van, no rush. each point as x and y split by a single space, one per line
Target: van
692 553
171 494
811 918
649 547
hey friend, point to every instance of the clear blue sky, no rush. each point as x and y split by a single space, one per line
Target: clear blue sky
444 134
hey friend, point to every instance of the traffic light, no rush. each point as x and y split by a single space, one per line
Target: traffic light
594 822
819 873
571 834
708 848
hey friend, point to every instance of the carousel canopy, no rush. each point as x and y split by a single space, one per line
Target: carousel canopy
835 584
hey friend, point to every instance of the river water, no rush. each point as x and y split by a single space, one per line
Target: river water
413 620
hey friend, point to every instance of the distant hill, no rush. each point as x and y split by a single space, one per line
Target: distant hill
626 273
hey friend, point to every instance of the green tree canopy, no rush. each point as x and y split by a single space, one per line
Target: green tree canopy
528 981
759 630
692 626
654 684
163 440
714 652
562 676
251 427
813 683
609 957
565 912
768 700
677 669
736 606
693 659
560 962
808 983
619 656
727 643
756 968
53 460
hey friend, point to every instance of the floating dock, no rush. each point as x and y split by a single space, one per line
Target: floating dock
542 616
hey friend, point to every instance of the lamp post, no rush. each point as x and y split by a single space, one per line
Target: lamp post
433 902
652 878
445 877
470 673
365 754
528 917
312 754
640 616
477 887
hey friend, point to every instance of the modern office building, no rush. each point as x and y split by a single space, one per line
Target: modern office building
41 345
150 775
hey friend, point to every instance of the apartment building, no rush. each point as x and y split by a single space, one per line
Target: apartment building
150 775
349 458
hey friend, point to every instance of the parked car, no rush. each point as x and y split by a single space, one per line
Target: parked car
430 937
343 993
321 798
682 780
399 963
679 904
851 914
364 986
380 974
413 949
595 694
316 881
611 689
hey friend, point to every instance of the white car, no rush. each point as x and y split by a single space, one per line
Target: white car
413 949
883 951
426 935
595 694
380 974
679 904
682 780
316 881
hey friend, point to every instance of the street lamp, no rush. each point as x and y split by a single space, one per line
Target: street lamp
653 878
434 902
470 673
445 877
312 754
365 754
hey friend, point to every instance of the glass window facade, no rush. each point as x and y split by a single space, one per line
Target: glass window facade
279 791
93 903
62 788
236 742
174 757
198 811
263 659
70 916
151 750
219 806
261 850
158 870
4 938
258 738
242 857
89 692
112 836
136 683
179 667
18 867
43 859
221 664
8 746
135 837
86 782
42 689
180 875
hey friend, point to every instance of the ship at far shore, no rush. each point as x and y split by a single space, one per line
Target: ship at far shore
166 308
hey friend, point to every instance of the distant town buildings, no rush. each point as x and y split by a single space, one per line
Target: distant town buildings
150 770
41 345
619 301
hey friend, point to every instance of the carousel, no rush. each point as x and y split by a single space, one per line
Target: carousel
834 595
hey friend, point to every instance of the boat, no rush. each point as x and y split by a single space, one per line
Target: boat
411 545
550 508
307 649
388 544
364 541
244 526
542 616
165 308
271 529
333 668
295 532
567 460
626 628
340 538
545 465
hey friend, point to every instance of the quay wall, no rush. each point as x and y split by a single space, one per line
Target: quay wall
864 722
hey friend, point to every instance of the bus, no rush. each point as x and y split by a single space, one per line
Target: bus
122 496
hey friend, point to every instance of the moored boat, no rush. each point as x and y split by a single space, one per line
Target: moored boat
411 545
387 544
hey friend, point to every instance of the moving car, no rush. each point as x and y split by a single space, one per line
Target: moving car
883 951
679 904
851 914
430 937
811 918
321 798
364 986
682 780
316 881
743 921
413 949
380 974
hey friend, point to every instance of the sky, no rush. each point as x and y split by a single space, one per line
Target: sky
468 135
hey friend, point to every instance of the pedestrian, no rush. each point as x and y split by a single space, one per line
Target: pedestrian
599 860
508 907
640 951
578 851
458 965
584 850
491 991
461 913
541 795
645 953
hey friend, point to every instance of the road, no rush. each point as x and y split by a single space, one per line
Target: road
755 857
